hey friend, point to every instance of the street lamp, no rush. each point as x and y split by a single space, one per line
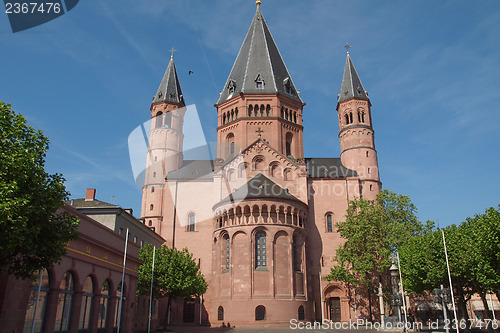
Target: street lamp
396 300
443 295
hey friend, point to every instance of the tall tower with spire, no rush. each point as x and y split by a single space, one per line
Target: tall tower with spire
259 99
165 145
356 135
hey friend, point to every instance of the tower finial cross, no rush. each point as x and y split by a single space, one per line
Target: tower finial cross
258 3
172 50
347 47
259 131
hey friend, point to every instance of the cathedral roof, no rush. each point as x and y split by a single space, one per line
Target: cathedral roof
170 89
257 188
327 168
259 67
193 169
351 83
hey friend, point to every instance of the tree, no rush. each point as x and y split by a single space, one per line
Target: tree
176 274
473 253
33 234
372 231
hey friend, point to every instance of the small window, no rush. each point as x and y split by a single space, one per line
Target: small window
168 120
346 119
301 313
158 120
329 223
152 189
231 86
288 148
191 222
151 207
371 187
226 253
296 266
220 313
367 154
260 250
350 117
287 174
259 82
150 223
260 312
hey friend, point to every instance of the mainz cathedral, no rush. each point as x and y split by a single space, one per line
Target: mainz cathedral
259 217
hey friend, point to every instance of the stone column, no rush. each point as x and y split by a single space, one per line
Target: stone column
75 311
51 311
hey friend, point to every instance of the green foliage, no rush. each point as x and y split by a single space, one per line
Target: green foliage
372 231
473 254
365 252
32 235
176 273
401 217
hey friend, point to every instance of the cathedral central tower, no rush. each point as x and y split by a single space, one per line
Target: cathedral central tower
259 99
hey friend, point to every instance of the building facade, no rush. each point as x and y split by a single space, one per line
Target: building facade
260 217
81 293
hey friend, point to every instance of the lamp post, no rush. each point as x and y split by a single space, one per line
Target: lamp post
442 295
395 298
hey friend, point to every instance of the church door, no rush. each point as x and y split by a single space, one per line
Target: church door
335 314
188 313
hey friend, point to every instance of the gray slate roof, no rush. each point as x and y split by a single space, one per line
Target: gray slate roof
82 203
193 169
327 168
351 84
170 89
259 60
257 188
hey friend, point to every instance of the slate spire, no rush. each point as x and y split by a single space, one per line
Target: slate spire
170 89
259 67
351 83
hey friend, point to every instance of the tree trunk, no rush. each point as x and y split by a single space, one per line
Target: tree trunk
370 302
486 309
166 321
462 305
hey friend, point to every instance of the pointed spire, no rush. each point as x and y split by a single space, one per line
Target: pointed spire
351 83
259 67
170 89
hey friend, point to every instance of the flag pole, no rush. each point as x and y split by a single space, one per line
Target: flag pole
151 292
402 290
451 285
123 278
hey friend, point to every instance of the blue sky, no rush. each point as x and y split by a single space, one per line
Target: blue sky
431 68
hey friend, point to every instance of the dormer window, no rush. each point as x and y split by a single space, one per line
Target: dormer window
259 82
231 86
288 85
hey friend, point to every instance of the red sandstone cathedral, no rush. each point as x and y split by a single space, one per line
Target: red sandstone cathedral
260 217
